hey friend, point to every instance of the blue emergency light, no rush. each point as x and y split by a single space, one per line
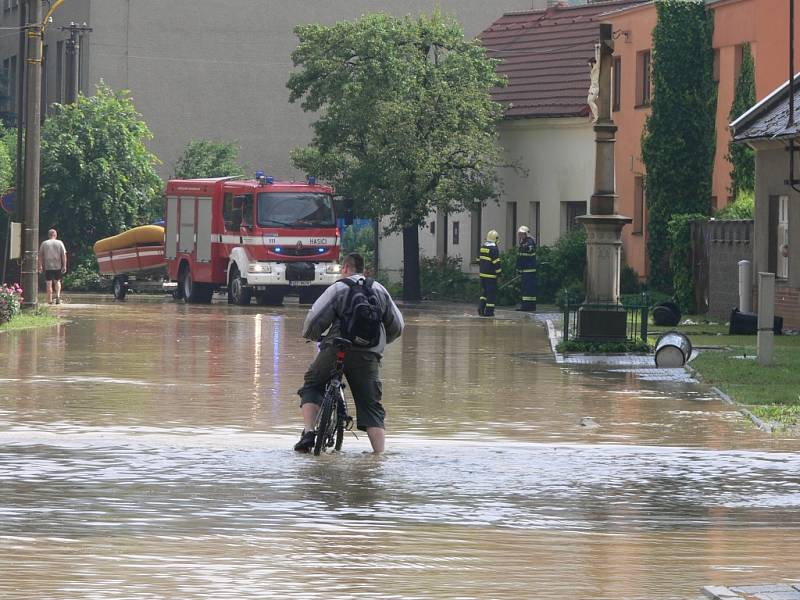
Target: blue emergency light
270 179
312 180
259 174
320 250
278 249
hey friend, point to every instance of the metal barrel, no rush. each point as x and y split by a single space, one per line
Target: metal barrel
673 349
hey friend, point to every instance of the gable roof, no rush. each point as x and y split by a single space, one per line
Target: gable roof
545 55
769 119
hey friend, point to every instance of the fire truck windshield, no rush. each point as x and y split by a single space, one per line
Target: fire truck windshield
289 209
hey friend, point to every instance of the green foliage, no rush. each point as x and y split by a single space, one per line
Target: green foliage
84 277
562 266
361 241
603 347
629 281
8 151
443 279
743 208
678 143
406 122
208 158
742 156
680 236
98 177
10 302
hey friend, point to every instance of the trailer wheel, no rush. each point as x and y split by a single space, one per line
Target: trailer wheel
120 287
238 293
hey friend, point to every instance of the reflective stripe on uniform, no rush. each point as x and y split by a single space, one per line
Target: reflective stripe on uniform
527 271
529 298
488 275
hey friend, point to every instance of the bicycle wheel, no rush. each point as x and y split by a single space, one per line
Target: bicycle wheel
340 413
326 423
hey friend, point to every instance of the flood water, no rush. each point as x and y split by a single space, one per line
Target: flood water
145 452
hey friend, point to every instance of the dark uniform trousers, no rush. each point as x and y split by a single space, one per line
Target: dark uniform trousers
526 267
489 270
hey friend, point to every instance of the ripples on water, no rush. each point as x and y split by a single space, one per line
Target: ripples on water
147 467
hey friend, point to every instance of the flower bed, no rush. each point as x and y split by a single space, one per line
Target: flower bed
10 301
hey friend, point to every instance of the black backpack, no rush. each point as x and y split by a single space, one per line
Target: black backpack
362 316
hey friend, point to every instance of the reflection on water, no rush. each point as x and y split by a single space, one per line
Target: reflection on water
145 452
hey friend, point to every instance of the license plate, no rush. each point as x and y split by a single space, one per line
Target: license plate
299 283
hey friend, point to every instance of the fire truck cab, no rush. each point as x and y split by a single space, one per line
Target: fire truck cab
254 238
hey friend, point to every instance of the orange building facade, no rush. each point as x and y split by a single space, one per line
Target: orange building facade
761 23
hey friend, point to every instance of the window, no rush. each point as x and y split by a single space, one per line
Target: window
44 83
456 232
511 224
534 220
715 68
643 78
782 237
246 202
738 58
230 217
12 84
638 205
617 85
433 227
570 213
475 234
287 209
59 72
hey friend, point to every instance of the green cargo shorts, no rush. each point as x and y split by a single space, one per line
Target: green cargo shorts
362 370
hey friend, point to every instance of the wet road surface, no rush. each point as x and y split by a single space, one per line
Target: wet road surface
145 452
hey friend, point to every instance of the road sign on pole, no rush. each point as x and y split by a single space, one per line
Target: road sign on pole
8 199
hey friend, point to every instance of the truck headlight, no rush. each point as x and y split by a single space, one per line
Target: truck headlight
258 268
333 269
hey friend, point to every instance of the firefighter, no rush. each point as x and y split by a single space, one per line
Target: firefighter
526 268
490 271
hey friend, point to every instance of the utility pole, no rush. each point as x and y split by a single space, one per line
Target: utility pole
73 54
33 130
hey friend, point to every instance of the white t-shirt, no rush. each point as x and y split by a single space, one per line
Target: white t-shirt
53 254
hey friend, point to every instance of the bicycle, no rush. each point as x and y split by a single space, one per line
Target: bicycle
333 418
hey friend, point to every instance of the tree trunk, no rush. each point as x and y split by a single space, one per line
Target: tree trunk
412 290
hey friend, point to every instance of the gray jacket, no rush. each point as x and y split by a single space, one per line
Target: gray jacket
327 310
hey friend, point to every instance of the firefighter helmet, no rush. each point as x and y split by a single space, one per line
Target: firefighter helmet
524 229
492 236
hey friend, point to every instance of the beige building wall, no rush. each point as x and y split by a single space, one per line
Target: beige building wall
217 69
556 173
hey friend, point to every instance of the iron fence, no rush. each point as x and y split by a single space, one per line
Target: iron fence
637 307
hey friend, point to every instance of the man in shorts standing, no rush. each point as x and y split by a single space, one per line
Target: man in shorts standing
361 365
53 261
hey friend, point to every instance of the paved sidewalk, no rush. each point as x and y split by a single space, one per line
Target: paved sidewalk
780 591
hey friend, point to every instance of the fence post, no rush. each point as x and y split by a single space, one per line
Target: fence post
645 316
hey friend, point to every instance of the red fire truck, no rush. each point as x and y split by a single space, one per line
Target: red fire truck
256 237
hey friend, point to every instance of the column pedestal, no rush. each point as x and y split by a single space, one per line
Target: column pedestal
601 317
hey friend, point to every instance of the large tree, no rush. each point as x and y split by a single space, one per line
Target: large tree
679 141
209 158
406 123
98 178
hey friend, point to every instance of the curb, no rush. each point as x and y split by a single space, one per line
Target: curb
760 423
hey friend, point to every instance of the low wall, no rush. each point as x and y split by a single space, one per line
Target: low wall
727 242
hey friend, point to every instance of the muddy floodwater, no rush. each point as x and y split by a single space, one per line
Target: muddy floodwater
145 452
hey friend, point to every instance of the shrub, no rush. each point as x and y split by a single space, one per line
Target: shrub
10 302
603 347
680 236
361 240
85 277
562 265
443 279
743 208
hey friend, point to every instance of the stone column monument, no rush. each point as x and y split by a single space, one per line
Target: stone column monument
601 318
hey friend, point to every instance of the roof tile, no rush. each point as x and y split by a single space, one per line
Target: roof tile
545 55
